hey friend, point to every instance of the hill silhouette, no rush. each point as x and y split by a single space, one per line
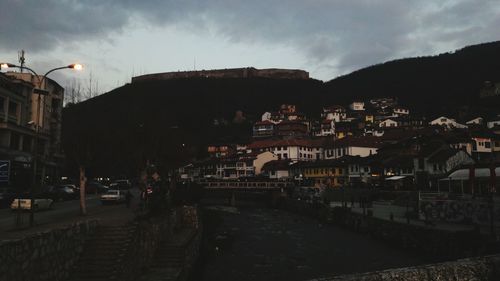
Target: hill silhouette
431 84
172 121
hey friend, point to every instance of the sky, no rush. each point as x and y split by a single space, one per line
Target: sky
118 39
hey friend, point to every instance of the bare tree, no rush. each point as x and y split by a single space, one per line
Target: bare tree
73 92
89 94
92 88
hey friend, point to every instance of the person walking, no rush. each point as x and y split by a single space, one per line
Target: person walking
128 198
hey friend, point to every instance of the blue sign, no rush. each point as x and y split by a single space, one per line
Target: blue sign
4 170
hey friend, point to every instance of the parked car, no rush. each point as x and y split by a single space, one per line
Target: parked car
95 187
68 192
59 192
50 191
75 187
6 196
25 204
113 196
120 184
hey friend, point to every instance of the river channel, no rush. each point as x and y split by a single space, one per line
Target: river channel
258 243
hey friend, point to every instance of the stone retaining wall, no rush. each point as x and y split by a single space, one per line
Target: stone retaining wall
48 255
150 233
190 217
473 269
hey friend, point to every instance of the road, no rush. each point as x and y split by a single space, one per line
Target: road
15 224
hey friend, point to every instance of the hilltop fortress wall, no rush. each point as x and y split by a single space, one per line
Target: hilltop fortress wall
248 72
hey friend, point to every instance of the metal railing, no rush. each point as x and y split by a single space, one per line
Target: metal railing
245 185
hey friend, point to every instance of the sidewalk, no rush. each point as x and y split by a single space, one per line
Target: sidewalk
383 211
107 215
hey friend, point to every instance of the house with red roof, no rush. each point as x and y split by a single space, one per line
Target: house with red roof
292 128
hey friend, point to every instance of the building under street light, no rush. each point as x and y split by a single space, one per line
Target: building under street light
17 134
45 118
46 148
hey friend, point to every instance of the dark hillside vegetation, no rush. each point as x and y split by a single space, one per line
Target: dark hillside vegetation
172 121
437 84
152 120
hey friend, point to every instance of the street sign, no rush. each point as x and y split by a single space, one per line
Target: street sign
4 170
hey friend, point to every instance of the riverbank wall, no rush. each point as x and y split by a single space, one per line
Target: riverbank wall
433 243
48 255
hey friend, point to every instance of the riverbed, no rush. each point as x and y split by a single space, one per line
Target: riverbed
258 243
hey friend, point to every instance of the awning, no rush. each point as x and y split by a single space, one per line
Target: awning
395 178
463 174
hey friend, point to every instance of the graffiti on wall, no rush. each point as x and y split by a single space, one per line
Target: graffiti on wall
459 211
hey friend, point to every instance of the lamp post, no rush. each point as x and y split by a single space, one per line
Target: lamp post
40 89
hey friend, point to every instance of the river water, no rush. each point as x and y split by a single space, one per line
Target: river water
257 243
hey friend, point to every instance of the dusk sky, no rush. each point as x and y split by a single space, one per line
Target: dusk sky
118 39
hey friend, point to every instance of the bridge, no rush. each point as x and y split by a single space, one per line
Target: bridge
246 185
233 191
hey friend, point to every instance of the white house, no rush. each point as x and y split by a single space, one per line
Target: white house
447 122
352 146
357 106
336 113
242 166
485 145
493 123
277 169
327 128
388 123
293 149
400 111
482 144
261 159
266 116
475 121
442 161
376 132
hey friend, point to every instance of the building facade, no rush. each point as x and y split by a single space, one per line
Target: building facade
42 118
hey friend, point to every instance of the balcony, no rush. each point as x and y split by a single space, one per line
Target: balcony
12 119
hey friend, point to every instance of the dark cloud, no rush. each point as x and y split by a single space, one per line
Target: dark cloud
342 34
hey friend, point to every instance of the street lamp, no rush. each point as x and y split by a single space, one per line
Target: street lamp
39 90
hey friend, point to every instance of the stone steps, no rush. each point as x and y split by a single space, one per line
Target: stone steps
171 254
102 253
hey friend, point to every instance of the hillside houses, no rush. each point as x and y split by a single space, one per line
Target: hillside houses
448 123
374 143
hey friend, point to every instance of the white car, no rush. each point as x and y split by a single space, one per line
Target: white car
113 196
25 204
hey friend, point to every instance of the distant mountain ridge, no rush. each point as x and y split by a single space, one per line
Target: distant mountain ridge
437 82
